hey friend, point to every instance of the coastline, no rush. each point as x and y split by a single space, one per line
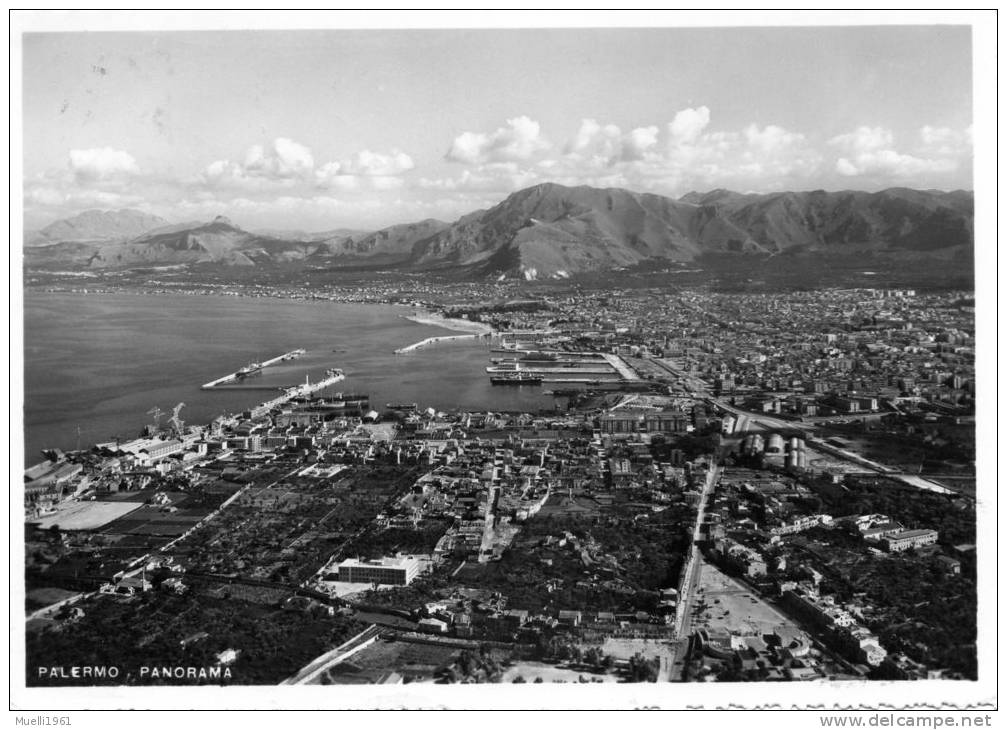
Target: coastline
449 323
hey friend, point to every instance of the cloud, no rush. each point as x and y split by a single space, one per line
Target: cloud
684 153
101 163
518 141
594 139
47 196
688 124
607 144
280 164
366 169
892 163
871 151
366 162
670 159
636 144
945 142
863 140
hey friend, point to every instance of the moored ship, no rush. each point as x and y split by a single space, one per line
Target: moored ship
516 378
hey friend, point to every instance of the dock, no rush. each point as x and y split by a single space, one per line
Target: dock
619 364
601 370
332 377
234 377
434 340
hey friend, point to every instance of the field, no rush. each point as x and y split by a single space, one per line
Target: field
733 607
87 515
284 529
159 628
42 597
413 661
549 673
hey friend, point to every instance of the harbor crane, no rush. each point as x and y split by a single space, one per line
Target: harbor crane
156 412
176 422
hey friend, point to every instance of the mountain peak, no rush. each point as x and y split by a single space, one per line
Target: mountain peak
102 225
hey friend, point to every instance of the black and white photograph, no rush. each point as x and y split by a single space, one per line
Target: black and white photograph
589 361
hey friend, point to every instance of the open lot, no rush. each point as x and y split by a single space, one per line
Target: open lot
417 662
732 606
86 515
551 673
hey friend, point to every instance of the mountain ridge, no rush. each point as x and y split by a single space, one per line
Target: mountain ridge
550 230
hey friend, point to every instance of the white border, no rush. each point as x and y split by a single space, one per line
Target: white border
935 695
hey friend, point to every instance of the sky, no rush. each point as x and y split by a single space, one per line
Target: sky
317 130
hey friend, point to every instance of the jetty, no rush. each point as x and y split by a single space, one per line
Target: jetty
434 340
253 368
332 376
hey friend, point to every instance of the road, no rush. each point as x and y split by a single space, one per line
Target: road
692 574
317 667
748 422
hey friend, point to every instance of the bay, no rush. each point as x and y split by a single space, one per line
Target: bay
100 362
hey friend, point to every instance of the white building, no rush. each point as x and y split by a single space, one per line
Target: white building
395 571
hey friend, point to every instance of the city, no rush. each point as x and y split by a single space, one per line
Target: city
618 360
739 486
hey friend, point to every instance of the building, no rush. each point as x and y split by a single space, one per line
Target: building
908 539
396 571
667 422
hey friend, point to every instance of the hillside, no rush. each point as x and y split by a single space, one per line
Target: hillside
96 225
552 231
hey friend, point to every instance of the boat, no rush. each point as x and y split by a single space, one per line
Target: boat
516 378
249 369
400 406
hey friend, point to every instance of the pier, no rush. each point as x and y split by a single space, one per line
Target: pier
434 340
236 375
601 370
332 377
619 364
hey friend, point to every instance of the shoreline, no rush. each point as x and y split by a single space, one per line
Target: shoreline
450 323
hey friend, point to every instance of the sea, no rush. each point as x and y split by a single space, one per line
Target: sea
95 365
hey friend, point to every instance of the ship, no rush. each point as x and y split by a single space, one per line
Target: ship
516 378
250 369
400 406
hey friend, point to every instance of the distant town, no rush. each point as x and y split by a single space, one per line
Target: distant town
730 486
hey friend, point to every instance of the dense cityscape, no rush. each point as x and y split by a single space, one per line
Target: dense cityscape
609 360
729 486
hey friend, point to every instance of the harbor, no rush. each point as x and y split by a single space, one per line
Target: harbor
251 369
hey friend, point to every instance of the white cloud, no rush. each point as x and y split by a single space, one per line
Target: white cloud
680 155
863 140
519 140
871 151
688 124
893 164
366 162
47 196
279 165
594 139
101 163
946 142
374 170
636 144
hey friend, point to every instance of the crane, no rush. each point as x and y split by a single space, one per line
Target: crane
175 421
156 412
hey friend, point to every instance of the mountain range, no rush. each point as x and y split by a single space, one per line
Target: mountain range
543 231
